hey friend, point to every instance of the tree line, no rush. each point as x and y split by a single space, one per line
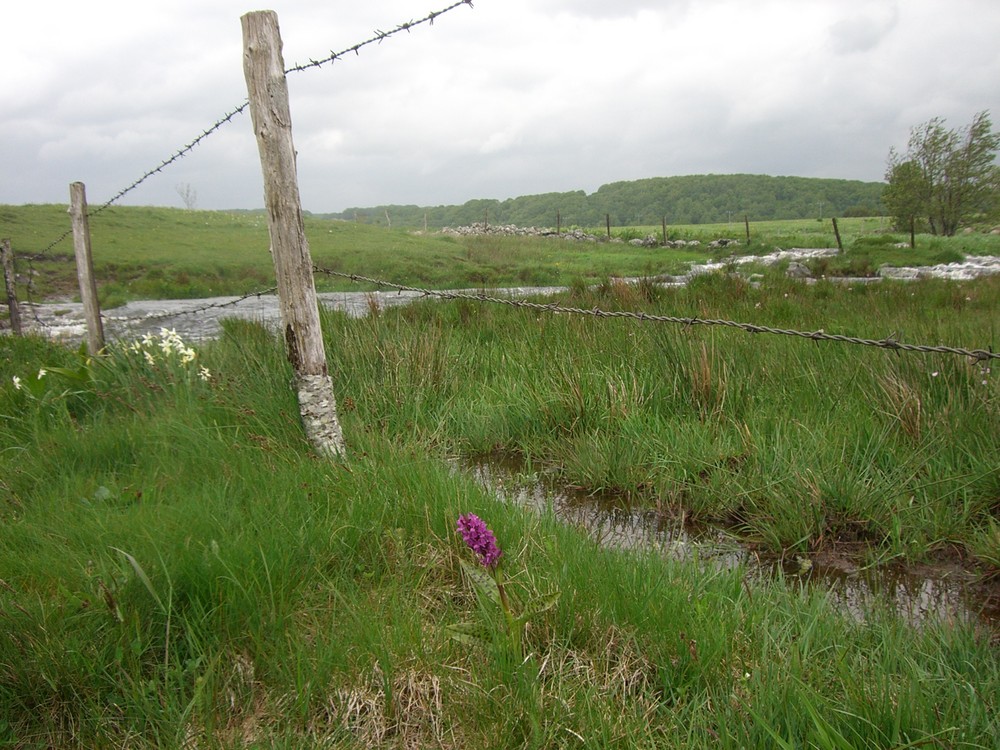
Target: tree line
692 199
946 179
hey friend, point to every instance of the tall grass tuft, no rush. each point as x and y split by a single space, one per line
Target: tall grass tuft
902 404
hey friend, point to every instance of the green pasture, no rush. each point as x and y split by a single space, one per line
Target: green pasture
150 253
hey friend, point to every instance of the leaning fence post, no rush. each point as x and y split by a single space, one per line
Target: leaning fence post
263 68
85 266
9 285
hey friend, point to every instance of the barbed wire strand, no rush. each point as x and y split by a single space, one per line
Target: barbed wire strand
204 308
378 37
887 343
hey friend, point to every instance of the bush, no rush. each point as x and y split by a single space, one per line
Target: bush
949 256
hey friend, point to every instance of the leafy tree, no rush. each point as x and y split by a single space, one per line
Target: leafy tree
945 175
904 197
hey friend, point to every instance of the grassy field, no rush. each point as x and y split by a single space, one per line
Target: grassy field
177 569
160 253
798 445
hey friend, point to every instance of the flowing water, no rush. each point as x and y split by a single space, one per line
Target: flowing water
198 319
919 594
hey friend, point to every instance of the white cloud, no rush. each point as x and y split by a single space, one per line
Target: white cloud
513 97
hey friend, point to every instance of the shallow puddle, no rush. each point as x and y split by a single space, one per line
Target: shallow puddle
918 594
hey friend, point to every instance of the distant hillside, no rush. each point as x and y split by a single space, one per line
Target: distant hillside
695 199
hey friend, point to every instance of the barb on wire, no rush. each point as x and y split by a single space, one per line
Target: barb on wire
887 343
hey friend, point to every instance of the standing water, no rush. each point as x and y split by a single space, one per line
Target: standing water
918 594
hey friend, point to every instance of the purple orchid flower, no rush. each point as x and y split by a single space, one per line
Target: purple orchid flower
480 539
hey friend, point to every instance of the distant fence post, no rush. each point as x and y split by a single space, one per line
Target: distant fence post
607 222
85 266
664 230
836 233
746 222
263 68
10 286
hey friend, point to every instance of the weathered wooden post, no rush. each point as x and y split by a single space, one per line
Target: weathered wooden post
836 233
85 266
746 223
264 69
11 287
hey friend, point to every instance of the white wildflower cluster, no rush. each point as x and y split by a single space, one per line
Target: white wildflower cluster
30 386
168 345
20 385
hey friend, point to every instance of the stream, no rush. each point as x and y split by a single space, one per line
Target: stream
940 591
199 319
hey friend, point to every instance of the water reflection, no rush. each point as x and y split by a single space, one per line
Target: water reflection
917 594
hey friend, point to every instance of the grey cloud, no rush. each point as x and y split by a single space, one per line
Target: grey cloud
864 32
513 97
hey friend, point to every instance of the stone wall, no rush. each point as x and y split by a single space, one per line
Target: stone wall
512 230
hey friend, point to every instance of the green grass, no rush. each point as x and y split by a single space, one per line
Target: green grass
157 253
179 570
799 446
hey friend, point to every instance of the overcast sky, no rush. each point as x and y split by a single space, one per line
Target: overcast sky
509 98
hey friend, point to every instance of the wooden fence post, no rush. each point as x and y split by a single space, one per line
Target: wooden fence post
10 286
264 70
85 267
836 233
607 222
746 223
